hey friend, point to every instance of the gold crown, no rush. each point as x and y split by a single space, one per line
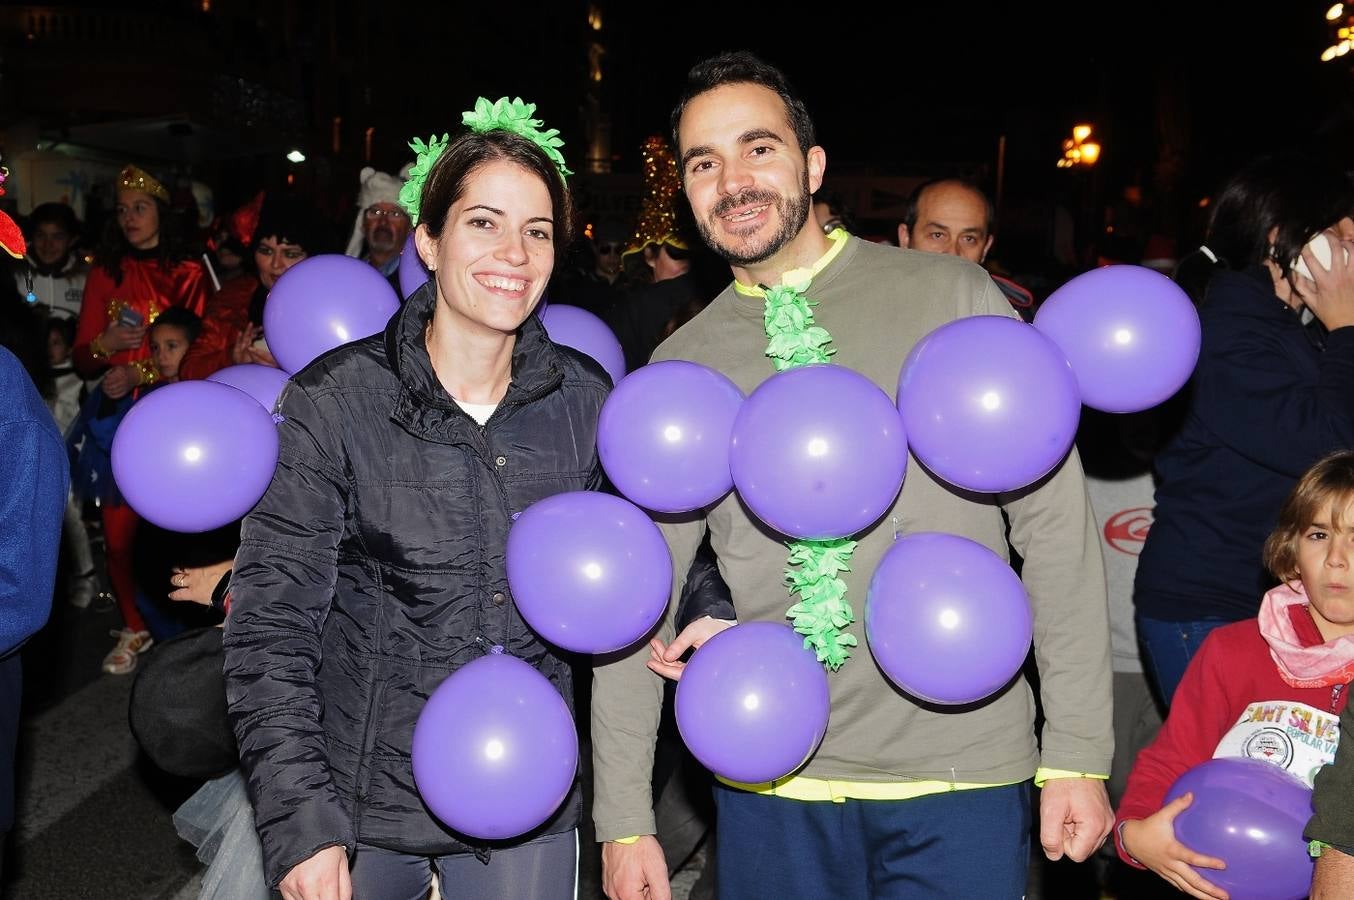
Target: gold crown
132 178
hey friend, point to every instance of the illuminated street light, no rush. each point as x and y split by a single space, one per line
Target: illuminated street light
1077 150
296 156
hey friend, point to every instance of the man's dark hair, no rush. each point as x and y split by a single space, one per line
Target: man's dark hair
742 67
914 201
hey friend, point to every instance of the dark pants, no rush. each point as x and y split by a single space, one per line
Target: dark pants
1168 647
542 869
973 843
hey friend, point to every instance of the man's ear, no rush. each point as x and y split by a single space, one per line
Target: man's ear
904 236
816 161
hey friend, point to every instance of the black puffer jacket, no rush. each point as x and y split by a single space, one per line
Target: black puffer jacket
373 568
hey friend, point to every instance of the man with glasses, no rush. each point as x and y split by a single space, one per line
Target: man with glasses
382 224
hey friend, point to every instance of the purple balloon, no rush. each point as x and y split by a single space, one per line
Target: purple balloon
195 455
989 403
1250 814
495 751
818 452
589 572
947 620
324 302
581 330
263 383
413 273
1131 335
752 704
663 435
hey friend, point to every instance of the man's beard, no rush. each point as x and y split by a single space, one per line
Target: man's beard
793 213
382 239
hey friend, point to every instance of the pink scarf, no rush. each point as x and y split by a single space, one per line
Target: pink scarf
1301 663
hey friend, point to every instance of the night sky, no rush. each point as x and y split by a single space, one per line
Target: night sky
932 96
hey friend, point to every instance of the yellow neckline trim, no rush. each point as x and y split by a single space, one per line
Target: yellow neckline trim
801 276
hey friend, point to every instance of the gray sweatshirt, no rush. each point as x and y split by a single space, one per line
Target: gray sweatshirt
877 302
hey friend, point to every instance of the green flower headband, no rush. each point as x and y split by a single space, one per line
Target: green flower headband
504 115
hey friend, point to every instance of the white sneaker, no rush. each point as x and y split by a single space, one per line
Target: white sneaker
122 658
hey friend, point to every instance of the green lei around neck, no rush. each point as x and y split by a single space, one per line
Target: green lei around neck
814 567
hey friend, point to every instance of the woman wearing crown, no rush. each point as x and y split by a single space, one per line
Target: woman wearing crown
141 269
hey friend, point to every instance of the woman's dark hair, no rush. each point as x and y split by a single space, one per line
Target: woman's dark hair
451 173
180 317
742 67
173 247
1298 193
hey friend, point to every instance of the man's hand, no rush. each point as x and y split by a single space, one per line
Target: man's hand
666 661
1151 841
323 876
635 871
1074 817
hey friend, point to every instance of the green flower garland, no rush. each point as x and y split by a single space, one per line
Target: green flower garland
500 115
519 118
411 192
813 569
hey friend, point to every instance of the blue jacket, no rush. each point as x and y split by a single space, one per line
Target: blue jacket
34 479
1266 402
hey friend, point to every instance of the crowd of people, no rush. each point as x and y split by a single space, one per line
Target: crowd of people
359 582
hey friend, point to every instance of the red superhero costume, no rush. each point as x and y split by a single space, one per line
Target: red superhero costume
148 287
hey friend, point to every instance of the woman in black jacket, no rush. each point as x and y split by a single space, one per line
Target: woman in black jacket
374 566
1268 398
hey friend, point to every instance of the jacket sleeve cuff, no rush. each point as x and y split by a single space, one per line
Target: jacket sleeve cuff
1043 774
626 831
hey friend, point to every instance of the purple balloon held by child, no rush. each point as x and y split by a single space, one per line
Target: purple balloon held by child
1250 814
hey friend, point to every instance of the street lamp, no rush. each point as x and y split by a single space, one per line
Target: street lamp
1077 150
1340 20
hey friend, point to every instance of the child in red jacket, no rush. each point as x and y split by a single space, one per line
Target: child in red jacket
1268 688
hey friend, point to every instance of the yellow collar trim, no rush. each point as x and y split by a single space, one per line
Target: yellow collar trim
800 278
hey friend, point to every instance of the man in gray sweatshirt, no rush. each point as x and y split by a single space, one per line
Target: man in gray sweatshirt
900 798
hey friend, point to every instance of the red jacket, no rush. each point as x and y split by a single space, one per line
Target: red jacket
225 319
147 287
1232 671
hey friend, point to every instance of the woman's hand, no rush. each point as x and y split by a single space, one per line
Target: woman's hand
666 661
244 352
323 876
1151 841
1329 294
195 585
119 381
118 337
